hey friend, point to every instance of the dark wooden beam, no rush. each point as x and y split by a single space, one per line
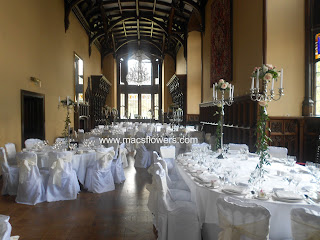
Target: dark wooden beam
124 28
67 10
154 6
119 3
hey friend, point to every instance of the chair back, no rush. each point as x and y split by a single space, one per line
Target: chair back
104 157
123 155
305 224
5 228
4 162
31 142
11 151
242 220
278 152
235 146
28 169
168 152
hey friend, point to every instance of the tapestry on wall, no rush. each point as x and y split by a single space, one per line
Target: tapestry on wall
221 41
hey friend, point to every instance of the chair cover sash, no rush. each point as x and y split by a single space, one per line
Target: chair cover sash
232 232
58 168
25 167
105 159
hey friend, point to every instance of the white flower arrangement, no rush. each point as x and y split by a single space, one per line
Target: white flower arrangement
266 72
222 85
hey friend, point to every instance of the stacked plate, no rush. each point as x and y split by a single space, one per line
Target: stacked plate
287 196
234 190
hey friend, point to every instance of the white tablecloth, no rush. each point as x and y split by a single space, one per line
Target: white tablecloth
205 198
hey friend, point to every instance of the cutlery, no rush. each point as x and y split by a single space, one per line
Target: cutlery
309 199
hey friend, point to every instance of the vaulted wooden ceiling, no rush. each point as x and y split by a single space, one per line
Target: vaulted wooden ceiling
119 26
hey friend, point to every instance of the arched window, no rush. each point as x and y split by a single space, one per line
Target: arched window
139 87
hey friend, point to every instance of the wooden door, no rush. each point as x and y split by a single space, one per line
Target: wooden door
32 116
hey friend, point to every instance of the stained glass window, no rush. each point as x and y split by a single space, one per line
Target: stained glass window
317 98
146 106
133 105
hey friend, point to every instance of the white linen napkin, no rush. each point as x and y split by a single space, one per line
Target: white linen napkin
287 195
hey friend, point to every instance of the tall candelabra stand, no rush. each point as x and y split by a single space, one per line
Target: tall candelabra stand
221 102
68 103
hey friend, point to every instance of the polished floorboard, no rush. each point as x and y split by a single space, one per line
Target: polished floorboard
118 215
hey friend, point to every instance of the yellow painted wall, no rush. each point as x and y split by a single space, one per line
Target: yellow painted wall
109 71
194 72
168 67
34 43
181 62
247 45
286 49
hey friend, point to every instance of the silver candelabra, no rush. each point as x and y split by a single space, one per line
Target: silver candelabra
265 96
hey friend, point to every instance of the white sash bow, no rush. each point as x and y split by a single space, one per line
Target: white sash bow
58 169
105 159
24 168
232 232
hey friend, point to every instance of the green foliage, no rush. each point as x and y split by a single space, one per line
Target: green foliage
218 130
261 144
65 132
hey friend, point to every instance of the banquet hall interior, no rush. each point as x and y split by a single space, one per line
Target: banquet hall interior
160 119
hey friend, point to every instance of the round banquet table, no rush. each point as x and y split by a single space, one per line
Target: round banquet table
80 162
206 198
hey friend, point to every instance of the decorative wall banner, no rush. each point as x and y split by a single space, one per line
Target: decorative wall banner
221 41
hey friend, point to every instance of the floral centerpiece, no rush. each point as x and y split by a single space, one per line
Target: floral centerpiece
110 112
222 85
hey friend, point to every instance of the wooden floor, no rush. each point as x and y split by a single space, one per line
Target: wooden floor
121 214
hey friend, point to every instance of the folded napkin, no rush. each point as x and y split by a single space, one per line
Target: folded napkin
287 195
233 189
205 177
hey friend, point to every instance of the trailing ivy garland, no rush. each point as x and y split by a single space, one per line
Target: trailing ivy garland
261 145
218 129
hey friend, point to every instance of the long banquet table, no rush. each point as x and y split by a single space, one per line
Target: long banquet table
205 198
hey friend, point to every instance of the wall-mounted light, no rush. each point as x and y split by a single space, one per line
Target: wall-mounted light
36 81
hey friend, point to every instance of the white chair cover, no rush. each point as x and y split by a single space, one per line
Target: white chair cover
31 142
140 134
5 227
235 146
11 153
63 183
142 157
242 220
174 181
117 169
116 149
168 154
99 177
197 134
207 138
10 175
278 152
305 224
123 154
32 185
175 220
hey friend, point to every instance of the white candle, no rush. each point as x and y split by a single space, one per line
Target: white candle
213 91
281 82
272 86
257 84
67 100
230 90
252 83
216 92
